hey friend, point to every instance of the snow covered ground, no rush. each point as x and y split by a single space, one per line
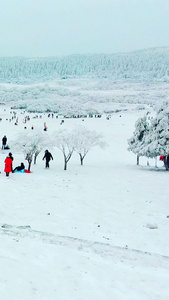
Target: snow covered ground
84 233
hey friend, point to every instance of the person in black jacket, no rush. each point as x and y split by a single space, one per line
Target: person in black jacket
4 141
19 168
48 156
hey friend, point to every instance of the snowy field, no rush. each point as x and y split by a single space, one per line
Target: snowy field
84 233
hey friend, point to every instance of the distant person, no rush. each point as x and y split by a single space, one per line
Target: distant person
48 156
45 127
10 155
19 168
4 142
8 163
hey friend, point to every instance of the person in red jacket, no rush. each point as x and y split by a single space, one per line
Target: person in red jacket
8 163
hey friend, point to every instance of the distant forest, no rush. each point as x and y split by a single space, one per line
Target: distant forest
145 65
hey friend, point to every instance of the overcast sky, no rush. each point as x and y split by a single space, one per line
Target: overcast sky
61 27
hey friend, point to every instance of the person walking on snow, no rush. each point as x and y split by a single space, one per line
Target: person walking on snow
8 163
48 156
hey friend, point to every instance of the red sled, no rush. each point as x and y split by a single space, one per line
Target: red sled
26 171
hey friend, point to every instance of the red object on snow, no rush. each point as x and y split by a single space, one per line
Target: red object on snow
8 163
26 171
161 157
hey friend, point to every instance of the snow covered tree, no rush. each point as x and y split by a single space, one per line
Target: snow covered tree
64 141
31 144
136 142
156 143
84 140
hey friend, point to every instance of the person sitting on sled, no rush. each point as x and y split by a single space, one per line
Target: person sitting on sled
20 168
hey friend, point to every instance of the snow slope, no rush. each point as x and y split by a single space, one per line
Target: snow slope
84 233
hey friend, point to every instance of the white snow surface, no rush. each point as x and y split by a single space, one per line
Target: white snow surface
85 233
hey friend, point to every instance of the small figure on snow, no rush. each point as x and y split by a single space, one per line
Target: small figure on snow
4 141
16 121
45 127
48 156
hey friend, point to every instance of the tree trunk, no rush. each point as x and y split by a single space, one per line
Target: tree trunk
138 160
65 165
35 157
168 161
165 163
156 162
81 159
29 165
67 158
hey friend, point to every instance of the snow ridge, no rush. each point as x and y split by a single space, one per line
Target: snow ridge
99 248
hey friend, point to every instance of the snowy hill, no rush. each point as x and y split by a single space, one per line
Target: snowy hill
80 84
93 232
145 65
